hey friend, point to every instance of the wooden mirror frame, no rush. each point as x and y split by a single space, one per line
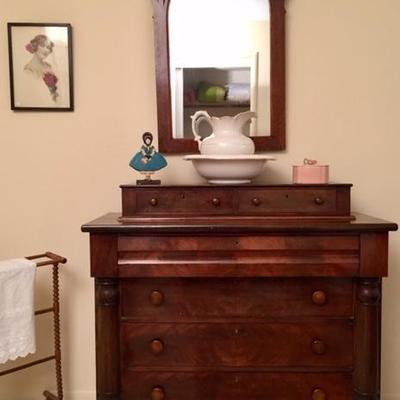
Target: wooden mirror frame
170 145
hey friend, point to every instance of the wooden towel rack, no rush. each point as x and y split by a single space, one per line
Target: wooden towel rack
54 260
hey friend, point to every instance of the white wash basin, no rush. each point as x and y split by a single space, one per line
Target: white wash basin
229 169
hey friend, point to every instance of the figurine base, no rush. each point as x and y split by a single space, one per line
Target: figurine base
148 182
147 179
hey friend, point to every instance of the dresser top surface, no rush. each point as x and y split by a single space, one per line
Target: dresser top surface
241 186
111 223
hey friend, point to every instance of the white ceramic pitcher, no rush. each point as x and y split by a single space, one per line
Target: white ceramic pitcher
227 136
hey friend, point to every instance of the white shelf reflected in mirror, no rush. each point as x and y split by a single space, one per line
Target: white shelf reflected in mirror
219 62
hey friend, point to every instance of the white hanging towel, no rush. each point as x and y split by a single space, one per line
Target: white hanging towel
17 327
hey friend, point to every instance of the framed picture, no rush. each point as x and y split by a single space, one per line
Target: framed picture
41 77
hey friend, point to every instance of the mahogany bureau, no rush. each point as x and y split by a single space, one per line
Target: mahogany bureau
239 293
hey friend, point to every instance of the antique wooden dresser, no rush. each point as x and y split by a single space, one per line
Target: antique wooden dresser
239 293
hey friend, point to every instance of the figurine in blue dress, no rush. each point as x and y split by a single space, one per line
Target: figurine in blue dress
148 160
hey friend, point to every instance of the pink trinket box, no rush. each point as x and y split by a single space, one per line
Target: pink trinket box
310 172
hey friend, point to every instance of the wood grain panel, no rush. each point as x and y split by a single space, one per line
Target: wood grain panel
278 200
244 243
281 201
238 256
103 255
374 254
236 386
210 299
238 344
155 202
346 268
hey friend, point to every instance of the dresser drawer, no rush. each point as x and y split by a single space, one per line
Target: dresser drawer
211 245
210 299
273 200
235 386
289 201
311 344
238 256
158 202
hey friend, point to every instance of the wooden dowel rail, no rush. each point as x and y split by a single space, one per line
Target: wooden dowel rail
44 311
27 365
54 260
49 396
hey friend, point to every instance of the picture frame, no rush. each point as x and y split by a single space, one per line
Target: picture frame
41 67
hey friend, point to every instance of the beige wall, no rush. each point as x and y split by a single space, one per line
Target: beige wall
60 170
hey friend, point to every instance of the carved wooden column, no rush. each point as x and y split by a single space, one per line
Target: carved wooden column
367 339
107 340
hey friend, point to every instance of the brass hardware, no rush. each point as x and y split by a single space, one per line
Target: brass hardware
156 298
256 201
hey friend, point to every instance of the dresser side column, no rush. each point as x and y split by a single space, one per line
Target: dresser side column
367 339
108 382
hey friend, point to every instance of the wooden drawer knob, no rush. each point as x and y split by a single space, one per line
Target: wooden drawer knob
156 298
256 201
318 347
319 297
216 201
156 347
319 201
157 393
319 394
153 202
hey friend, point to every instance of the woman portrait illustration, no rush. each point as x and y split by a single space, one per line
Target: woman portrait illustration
40 66
41 47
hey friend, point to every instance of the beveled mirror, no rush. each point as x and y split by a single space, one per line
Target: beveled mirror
222 56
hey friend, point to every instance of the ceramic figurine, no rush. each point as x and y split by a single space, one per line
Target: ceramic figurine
147 161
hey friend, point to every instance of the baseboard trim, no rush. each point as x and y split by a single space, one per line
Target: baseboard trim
81 395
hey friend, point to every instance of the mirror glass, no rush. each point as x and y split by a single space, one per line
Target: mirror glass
219 62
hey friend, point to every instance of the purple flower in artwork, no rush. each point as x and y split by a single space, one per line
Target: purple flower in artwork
30 48
51 81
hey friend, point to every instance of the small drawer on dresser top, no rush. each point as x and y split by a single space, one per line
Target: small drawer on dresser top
231 201
296 201
235 386
283 344
159 202
209 299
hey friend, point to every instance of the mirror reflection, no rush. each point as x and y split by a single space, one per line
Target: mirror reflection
219 62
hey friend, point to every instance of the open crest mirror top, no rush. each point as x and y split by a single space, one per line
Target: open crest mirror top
224 57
